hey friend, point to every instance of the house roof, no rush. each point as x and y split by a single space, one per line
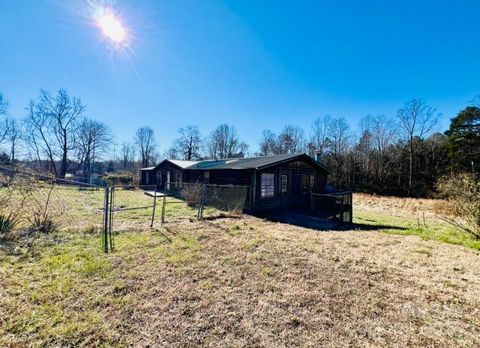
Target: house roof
242 163
183 164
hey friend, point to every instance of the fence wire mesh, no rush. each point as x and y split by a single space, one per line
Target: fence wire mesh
42 203
133 207
34 203
225 198
203 200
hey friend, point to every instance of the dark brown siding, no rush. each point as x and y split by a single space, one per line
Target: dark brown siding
230 177
299 185
303 178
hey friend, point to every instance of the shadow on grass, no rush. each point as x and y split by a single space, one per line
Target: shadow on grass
222 215
321 224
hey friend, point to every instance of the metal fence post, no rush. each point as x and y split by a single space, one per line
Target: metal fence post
154 205
163 207
202 201
351 207
110 226
106 219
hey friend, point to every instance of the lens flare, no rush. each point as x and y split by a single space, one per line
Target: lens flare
112 28
110 22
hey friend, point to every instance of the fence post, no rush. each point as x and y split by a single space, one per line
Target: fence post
106 211
163 207
351 207
202 200
154 205
110 226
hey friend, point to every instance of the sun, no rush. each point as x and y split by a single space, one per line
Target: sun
110 23
112 27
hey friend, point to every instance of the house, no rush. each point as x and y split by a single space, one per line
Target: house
273 181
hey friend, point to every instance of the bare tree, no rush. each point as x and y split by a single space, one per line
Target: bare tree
3 105
268 143
14 135
291 140
319 135
189 144
93 139
145 142
337 145
32 137
172 153
127 153
378 134
53 121
224 142
3 112
416 119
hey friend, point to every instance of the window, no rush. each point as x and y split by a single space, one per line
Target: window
305 183
284 183
267 186
312 183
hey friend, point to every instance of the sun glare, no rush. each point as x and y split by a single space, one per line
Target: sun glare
112 28
109 21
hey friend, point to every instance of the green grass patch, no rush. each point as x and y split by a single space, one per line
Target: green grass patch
56 294
431 230
252 244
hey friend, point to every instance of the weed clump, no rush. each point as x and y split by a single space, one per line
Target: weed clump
7 223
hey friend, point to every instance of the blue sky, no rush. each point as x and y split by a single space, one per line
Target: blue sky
253 64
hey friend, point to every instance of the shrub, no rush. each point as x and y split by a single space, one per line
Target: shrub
46 209
7 223
14 195
192 194
121 179
463 192
43 224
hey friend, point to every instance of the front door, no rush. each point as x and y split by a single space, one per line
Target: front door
296 184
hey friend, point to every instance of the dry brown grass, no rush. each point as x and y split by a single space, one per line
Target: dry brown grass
263 284
246 282
401 205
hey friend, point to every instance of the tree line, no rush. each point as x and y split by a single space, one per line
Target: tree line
400 154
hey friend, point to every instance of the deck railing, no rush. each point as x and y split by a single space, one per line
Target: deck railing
337 205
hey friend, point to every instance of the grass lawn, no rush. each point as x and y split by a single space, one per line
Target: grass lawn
409 216
246 282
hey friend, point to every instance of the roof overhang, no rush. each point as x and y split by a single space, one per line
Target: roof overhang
302 156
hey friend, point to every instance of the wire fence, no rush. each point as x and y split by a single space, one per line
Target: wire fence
208 199
146 206
32 203
35 202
